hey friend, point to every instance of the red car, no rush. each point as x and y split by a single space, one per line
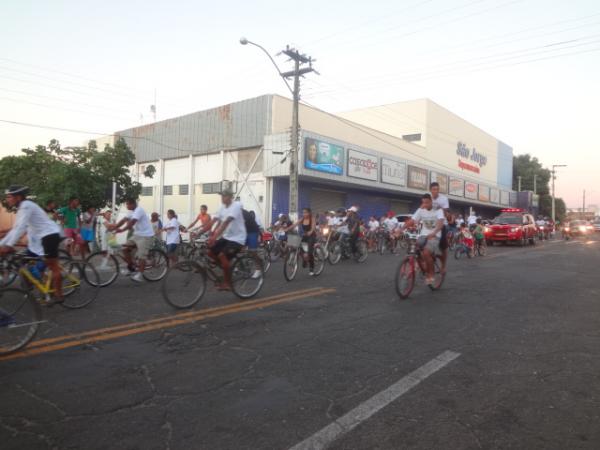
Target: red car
512 225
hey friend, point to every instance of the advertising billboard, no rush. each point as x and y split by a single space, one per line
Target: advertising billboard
417 178
494 195
323 157
457 187
441 179
362 165
471 190
393 172
504 198
484 193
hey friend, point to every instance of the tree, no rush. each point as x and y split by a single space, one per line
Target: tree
56 173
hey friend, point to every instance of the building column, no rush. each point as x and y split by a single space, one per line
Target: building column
191 189
161 186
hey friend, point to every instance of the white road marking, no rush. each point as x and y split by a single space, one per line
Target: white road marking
323 438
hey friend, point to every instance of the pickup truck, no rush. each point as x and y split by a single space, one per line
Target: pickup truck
512 225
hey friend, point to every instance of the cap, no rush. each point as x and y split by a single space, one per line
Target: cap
16 189
353 209
227 191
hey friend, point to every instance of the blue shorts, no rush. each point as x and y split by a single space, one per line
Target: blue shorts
171 249
87 235
252 241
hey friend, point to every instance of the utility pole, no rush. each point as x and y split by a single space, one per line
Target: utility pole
535 183
519 185
300 60
553 172
583 204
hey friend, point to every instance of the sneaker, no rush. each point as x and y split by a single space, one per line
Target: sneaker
126 272
257 274
311 273
138 277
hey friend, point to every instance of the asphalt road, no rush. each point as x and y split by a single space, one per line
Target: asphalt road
506 355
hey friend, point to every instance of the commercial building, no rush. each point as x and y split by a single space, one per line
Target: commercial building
374 158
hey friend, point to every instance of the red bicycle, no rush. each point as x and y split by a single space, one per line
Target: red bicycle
411 265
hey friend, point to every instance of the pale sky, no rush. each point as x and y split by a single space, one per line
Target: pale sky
526 71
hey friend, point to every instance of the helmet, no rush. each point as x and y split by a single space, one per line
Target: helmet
17 189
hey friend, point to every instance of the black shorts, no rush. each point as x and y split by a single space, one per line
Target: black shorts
444 238
50 244
228 248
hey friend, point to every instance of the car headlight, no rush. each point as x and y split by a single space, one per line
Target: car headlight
567 229
514 230
325 231
582 228
486 230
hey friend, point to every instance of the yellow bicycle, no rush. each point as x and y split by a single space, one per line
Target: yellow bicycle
20 308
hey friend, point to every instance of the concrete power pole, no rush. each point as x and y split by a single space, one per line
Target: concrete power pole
534 183
519 184
553 172
299 61
583 204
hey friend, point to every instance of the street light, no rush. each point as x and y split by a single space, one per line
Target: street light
554 166
245 41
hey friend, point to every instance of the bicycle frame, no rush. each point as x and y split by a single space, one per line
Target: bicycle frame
46 287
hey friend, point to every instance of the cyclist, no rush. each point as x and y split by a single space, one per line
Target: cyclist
71 219
353 222
142 237
34 221
440 201
203 217
309 234
173 237
228 238
373 227
432 222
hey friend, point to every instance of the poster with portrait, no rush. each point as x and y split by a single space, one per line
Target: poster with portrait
471 190
417 178
323 157
441 179
457 187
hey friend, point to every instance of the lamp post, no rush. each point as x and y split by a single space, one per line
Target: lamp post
554 166
298 71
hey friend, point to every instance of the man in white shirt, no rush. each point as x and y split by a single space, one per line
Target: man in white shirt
472 220
173 237
440 201
432 222
141 239
229 236
40 229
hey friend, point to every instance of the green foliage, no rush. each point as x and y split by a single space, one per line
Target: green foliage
56 173
546 207
526 167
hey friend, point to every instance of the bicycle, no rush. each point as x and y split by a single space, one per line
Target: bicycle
464 248
20 308
298 251
413 263
480 247
343 249
185 283
107 264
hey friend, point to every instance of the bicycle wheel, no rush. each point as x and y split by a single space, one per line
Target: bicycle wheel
438 276
361 252
381 245
335 254
482 250
80 283
157 265
8 272
247 277
319 261
20 318
290 267
106 265
458 252
265 257
405 277
184 284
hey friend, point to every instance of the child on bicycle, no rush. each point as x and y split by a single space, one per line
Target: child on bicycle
479 233
173 237
465 237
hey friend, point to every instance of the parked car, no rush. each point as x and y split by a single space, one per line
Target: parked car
512 225
577 228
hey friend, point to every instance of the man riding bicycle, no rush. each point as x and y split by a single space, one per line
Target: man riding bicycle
142 238
432 222
229 236
34 221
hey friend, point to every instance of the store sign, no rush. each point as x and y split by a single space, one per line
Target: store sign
441 179
471 190
457 187
362 165
494 195
504 198
323 157
393 172
484 193
469 158
417 178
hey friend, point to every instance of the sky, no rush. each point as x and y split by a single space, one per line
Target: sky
525 71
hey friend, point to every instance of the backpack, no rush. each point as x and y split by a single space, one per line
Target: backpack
250 221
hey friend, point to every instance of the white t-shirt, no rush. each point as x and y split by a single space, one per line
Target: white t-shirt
142 227
236 230
428 219
391 223
540 223
373 225
472 220
33 220
459 221
172 235
440 202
